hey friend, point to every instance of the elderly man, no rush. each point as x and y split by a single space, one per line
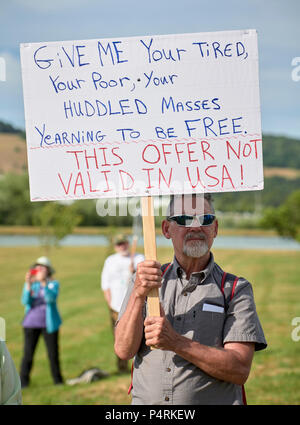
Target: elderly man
208 330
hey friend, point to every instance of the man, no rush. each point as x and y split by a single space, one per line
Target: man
116 275
208 331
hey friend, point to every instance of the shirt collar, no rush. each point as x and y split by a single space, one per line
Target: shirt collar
202 274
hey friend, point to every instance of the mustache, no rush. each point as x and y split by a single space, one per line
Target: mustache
193 235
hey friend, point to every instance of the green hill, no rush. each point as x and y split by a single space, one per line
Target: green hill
281 151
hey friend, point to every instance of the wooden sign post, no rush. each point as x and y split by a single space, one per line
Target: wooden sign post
150 248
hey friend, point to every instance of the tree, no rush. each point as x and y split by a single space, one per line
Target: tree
15 205
55 221
285 219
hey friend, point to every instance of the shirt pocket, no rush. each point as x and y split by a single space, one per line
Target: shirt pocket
206 326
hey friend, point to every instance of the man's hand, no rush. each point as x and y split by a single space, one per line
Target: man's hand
159 332
129 330
148 277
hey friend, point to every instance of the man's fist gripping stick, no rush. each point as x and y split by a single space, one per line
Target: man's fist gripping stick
158 331
150 277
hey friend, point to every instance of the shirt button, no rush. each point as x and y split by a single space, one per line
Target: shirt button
168 369
185 294
167 398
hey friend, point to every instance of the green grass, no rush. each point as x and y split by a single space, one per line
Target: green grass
86 338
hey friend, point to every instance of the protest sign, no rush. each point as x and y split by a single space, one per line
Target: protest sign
143 116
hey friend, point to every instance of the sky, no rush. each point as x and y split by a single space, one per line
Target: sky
276 21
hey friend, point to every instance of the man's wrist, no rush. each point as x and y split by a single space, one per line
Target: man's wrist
180 343
138 297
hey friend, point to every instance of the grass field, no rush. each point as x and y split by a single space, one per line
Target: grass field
86 337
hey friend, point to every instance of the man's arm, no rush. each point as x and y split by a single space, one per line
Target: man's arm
129 330
231 363
106 280
107 296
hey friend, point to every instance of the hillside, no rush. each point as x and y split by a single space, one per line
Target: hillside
280 151
13 156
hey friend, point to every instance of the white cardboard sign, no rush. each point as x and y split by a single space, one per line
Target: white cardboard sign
140 116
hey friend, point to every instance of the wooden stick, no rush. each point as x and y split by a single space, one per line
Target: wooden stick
150 249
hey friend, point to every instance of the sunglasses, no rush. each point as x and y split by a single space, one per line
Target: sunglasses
187 220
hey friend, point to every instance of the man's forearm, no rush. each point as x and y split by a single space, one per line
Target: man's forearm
222 363
129 330
231 363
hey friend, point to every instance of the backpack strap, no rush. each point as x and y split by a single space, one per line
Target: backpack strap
228 291
233 280
130 386
164 268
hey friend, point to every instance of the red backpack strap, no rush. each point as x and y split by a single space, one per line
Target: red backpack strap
244 395
233 287
233 279
130 386
164 268
223 282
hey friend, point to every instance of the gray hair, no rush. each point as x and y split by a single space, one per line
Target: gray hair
191 200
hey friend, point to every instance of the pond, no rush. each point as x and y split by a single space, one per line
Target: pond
224 242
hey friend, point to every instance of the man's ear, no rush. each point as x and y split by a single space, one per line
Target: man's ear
216 228
165 228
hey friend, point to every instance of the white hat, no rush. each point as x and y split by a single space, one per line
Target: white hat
44 261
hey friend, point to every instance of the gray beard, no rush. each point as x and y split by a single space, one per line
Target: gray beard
195 249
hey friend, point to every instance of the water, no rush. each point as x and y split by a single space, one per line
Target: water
224 242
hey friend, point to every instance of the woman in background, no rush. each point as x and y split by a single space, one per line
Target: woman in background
41 317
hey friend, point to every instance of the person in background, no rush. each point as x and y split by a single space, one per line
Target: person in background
39 297
116 275
10 384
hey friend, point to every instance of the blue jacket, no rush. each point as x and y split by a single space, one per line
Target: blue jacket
53 319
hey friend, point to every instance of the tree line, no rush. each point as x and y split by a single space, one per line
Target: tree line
17 209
